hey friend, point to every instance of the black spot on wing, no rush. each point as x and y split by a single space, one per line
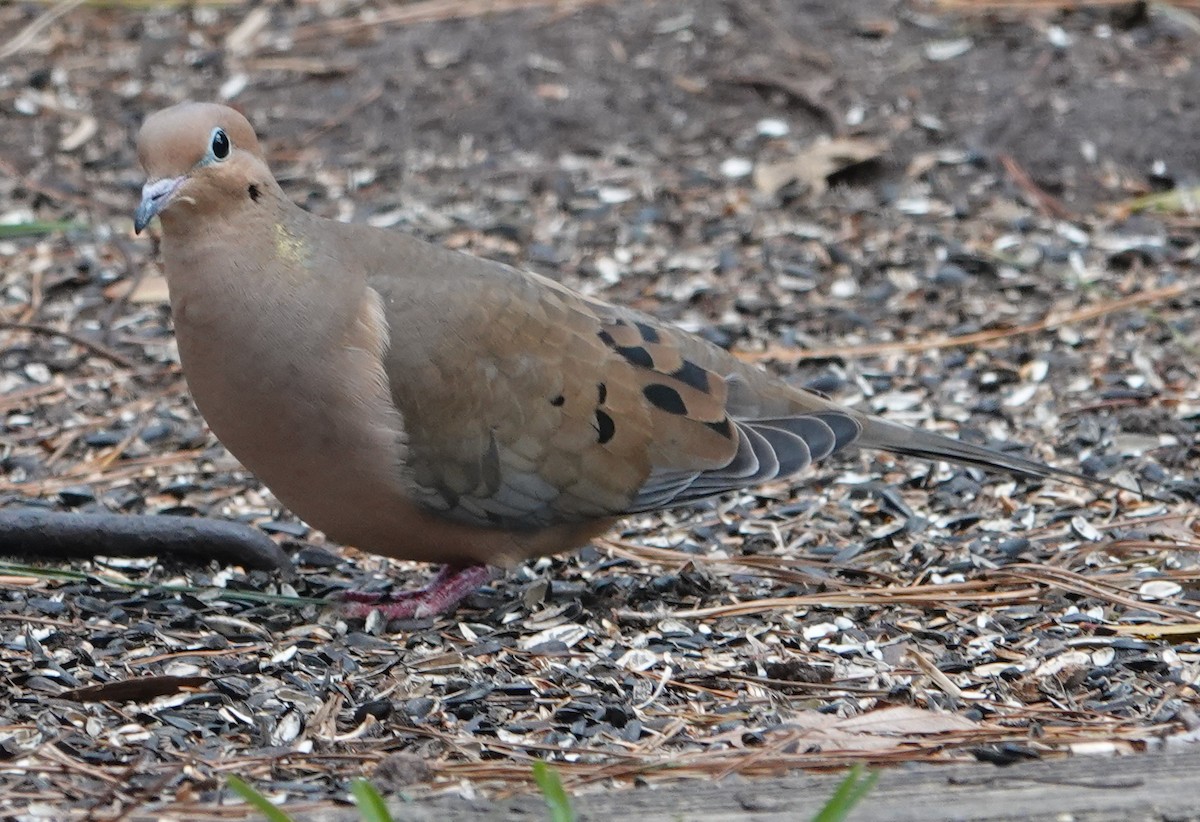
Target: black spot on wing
605 428
649 334
723 427
691 374
637 355
634 354
558 401
665 398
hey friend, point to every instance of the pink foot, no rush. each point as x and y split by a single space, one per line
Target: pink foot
450 586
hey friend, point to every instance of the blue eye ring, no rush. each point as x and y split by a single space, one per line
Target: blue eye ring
219 145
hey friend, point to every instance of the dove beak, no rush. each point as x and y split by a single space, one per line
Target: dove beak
156 194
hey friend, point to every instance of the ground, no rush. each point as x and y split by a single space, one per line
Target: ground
966 218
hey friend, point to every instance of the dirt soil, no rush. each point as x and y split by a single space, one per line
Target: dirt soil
946 217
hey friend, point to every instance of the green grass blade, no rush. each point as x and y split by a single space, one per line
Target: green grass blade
553 792
1175 201
151 5
849 793
35 228
371 806
256 799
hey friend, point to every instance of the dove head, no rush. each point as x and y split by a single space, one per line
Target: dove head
199 158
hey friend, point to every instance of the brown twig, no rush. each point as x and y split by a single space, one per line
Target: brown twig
86 473
792 355
990 6
16 399
941 596
1070 581
341 117
94 346
803 96
771 567
26 35
58 195
428 11
1048 204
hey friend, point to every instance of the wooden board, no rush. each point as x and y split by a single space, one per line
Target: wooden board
1159 786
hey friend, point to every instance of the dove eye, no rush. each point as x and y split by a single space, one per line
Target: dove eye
219 145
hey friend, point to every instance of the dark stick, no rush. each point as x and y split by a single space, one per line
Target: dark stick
37 534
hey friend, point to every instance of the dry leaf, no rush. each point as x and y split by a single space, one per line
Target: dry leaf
240 41
902 720
813 166
141 689
84 130
152 290
1185 632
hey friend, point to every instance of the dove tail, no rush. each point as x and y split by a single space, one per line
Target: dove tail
901 439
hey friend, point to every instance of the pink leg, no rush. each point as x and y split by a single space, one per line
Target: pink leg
451 585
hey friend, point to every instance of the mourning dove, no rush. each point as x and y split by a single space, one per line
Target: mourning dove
427 405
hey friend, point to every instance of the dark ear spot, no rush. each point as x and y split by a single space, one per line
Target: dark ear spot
558 401
254 192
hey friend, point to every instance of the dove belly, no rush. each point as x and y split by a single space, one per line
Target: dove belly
330 445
